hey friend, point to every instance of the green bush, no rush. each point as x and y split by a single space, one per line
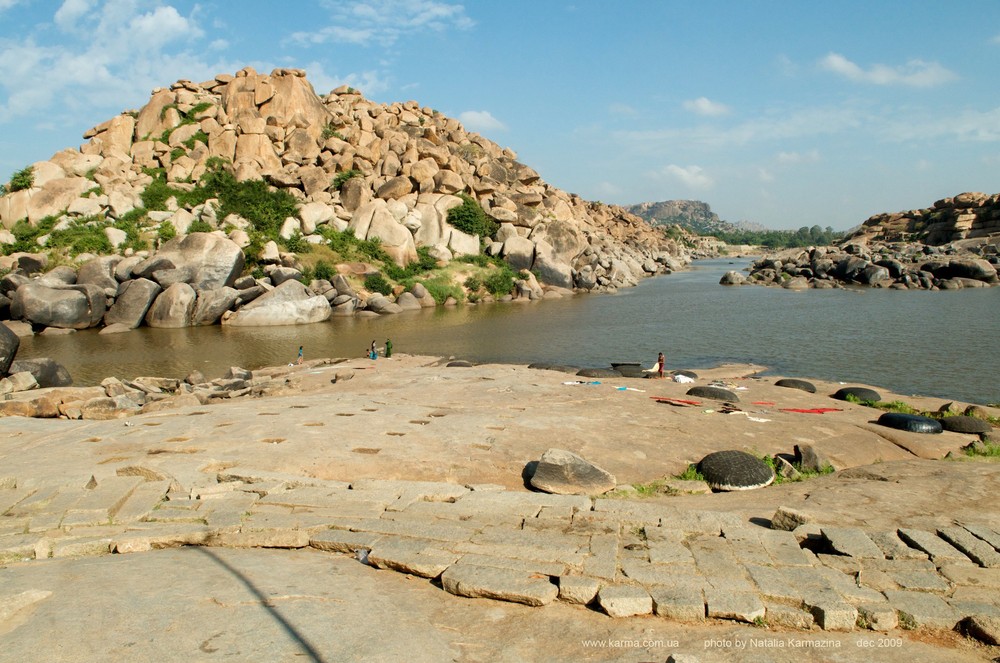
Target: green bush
85 235
441 288
26 235
377 283
372 248
341 179
131 223
166 231
499 282
199 137
297 244
22 179
473 283
479 260
324 271
199 226
469 217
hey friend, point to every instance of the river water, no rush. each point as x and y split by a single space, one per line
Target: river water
912 342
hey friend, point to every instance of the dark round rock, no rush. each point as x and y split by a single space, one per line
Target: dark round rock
714 393
618 364
47 372
555 367
965 424
687 374
735 470
860 393
914 423
793 383
459 363
629 371
598 373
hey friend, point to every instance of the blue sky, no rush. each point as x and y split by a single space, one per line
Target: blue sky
787 114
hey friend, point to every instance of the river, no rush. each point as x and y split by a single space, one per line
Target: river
912 342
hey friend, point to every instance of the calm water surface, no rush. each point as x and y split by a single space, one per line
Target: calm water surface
934 343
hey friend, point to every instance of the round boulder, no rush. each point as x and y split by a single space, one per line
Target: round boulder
735 470
565 473
47 372
598 373
9 343
792 383
714 393
860 393
914 423
965 424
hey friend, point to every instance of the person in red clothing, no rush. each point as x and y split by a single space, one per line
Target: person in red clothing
661 363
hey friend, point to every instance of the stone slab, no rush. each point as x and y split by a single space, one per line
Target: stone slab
146 497
735 605
982 628
260 538
965 574
501 584
987 534
343 541
851 541
976 549
939 550
625 600
416 557
921 581
785 616
922 609
578 589
893 547
834 615
526 565
877 617
680 603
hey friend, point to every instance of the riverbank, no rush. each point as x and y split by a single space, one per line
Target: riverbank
386 451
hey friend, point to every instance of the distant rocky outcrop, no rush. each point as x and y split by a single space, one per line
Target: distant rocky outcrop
968 215
955 244
402 167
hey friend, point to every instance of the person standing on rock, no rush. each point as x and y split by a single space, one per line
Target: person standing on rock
661 363
299 361
388 348
373 351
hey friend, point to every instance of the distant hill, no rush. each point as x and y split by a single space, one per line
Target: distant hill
693 215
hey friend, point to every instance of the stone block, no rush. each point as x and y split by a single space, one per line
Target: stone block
343 541
263 538
987 534
851 541
784 548
773 584
784 616
736 605
921 581
81 547
877 617
416 557
165 536
893 547
787 518
146 497
681 603
500 584
834 615
9 498
18 547
578 589
625 601
979 551
922 609
669 552
526 565
939 550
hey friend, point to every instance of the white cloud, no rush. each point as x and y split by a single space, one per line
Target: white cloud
996 39
7 4
915 73
384 22
972 126
480 121
706 107
693 177
812 156
100 56
764 175
71 12
622 109
369 83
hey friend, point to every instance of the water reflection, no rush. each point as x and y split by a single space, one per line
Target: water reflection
936 343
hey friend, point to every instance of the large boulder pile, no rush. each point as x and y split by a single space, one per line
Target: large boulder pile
954 244
386 171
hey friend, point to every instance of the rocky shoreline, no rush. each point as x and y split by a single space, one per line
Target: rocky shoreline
952 245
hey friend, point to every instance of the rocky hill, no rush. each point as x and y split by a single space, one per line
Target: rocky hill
391 175
692 215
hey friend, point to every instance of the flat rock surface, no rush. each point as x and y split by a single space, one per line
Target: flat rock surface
422 465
